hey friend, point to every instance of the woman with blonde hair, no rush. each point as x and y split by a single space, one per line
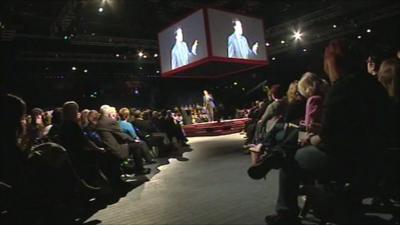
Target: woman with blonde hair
313 89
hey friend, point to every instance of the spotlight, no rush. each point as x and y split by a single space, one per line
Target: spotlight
273 58
334 26
140 68
282 42
100 10
145 56
368 30
235 83
304 49
267 44
117 55
297 35
85 70
155 55
73 68
359 37
65 37
140 54
157 71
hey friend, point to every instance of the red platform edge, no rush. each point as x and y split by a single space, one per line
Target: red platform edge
215 128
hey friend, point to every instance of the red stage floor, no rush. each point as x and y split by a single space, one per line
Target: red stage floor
215 128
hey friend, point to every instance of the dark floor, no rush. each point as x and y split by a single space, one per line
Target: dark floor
211 187
208 185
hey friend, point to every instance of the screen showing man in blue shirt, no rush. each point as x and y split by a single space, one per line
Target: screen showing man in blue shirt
238 47
180 54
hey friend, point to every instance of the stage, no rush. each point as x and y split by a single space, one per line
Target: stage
215 128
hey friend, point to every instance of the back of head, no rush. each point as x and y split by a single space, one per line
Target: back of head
343 57
277 91
70 111
310 84
389 77
12 110
105 110
57 116
292 92
124 113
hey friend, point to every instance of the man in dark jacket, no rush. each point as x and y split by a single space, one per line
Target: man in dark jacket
119 144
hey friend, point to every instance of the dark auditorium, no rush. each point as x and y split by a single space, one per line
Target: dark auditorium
279 112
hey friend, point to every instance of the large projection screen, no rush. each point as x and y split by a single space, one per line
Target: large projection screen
176 43
236 36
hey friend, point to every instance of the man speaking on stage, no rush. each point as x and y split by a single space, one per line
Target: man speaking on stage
180 54
238 47
209 105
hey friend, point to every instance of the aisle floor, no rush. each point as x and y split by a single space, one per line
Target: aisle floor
209 185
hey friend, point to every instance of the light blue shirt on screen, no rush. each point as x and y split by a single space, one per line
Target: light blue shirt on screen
180 55
238 47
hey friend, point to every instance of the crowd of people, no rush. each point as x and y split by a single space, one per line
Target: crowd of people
54 156
343 130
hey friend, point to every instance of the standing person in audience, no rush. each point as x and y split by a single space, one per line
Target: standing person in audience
352 132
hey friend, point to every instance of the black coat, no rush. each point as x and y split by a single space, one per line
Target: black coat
115 141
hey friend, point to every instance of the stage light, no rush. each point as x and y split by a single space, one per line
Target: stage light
85 70
334 26
267 44
157 71
368 30
235 83
155 55
304 49
100 10
359 37
93 34
140 68
140 54
73 68
297 35
117 55
145 56
65 37
273 58
243 89
282 42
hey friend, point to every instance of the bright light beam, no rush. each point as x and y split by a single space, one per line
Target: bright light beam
297 35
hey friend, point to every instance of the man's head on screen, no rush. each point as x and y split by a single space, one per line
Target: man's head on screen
237 26
179 35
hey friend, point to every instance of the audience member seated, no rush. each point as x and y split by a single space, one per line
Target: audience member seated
35 127
118 144
351 136
128 128
82 151
56 121
389 77
148 131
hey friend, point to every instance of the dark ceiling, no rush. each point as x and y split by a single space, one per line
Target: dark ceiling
34 51
144 18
